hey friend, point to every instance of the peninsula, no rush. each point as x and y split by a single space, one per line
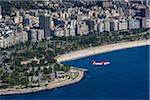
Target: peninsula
52 85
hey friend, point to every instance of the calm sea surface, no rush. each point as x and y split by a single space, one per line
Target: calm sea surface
127 77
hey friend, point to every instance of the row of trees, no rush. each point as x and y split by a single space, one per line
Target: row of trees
67 44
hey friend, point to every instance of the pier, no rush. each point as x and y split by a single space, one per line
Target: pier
82 69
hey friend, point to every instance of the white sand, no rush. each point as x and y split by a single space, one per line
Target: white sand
100 49
75 55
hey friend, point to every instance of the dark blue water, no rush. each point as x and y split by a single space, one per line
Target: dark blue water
127 77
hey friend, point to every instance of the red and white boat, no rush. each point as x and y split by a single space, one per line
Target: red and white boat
97 63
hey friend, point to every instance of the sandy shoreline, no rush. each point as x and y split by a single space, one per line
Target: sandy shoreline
100 49
74 55
51 85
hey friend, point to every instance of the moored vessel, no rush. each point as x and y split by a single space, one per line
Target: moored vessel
100 62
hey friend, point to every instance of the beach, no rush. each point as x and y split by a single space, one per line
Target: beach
126 77
100 49
74 55
51 85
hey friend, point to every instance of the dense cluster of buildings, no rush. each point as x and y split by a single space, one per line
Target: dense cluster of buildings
35 25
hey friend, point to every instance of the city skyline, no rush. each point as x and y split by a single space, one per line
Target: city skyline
94 49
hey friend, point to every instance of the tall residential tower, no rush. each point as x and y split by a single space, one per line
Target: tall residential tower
44 23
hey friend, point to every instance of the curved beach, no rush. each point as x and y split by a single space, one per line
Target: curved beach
100 49
51 85
74 55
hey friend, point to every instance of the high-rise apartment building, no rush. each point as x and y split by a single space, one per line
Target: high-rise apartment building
0 12
44 23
